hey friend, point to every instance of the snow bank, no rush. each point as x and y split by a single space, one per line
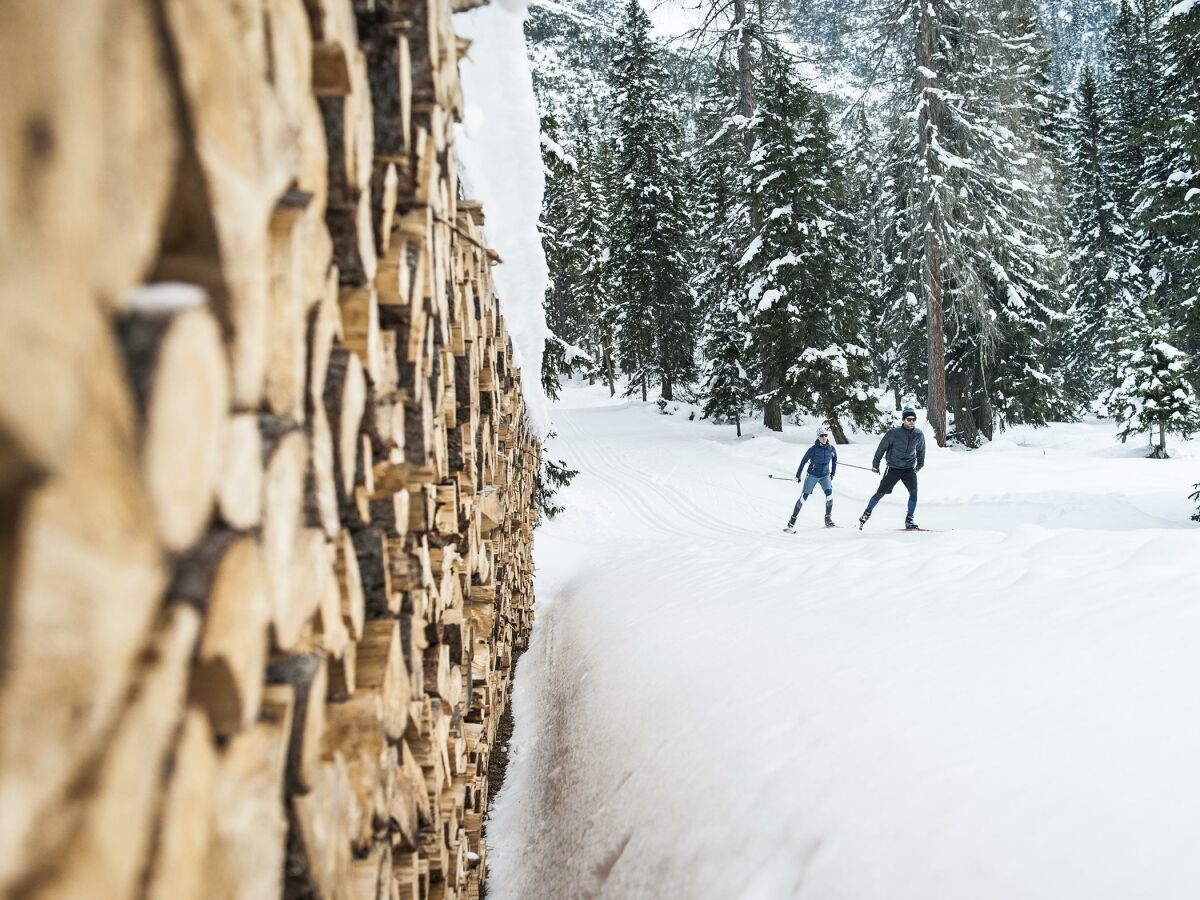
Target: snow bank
499 154
712 709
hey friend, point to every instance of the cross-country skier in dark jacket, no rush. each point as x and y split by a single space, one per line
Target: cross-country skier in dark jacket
904 447
821 459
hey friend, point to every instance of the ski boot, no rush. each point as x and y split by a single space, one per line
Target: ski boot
910 525
790 528
829 522
862 520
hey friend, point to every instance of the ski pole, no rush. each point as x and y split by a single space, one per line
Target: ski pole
853 466
784 477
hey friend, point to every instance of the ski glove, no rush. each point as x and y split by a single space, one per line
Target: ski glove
919 468
875 469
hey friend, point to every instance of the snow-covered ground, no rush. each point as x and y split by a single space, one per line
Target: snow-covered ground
710 708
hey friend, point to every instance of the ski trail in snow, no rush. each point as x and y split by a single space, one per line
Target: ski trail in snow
679 514
712 709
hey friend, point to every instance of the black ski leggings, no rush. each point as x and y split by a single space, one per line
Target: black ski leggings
890 477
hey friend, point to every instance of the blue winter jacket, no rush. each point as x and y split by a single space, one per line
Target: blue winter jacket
905 448
822 459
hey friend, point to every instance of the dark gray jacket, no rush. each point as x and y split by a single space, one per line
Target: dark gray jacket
905 449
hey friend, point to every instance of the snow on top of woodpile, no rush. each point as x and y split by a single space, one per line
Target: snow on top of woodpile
500 163
165 296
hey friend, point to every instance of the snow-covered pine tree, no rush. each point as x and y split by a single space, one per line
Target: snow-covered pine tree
1101 291
558 210
588 234
1132 86
808 349
973 236
925 40
556 215
863 205
899 325
656 309
722 219
1020 242
1156 394
1075 30
1168 197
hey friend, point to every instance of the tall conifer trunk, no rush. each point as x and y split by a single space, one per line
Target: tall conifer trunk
772 414
930 122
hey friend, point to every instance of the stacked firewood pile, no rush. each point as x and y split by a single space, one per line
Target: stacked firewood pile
264 475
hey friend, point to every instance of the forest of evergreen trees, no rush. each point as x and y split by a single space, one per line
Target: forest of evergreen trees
1004 236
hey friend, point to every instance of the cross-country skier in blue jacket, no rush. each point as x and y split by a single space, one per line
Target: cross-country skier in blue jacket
905 449
821 459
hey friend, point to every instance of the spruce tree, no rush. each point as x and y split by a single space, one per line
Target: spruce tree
562 316
1023 234
1132 93
806 329
723 232
1156 394
863 202
974 247
654 303
899 326
1101 291
925 39
1168 197
588 234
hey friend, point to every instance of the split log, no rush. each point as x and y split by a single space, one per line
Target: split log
320 494
409 799
381 668
176 365
318 842
177 869
89 571
353 601
87 112
385 186
223 578
345 398
308 678
355 730
342 675
331 70
371 878
240 165
285 377
314 593
246 855
239 488
285 460
106 849
371 548
360 321
392 513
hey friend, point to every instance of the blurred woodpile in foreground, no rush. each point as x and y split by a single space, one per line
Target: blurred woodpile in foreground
264 476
